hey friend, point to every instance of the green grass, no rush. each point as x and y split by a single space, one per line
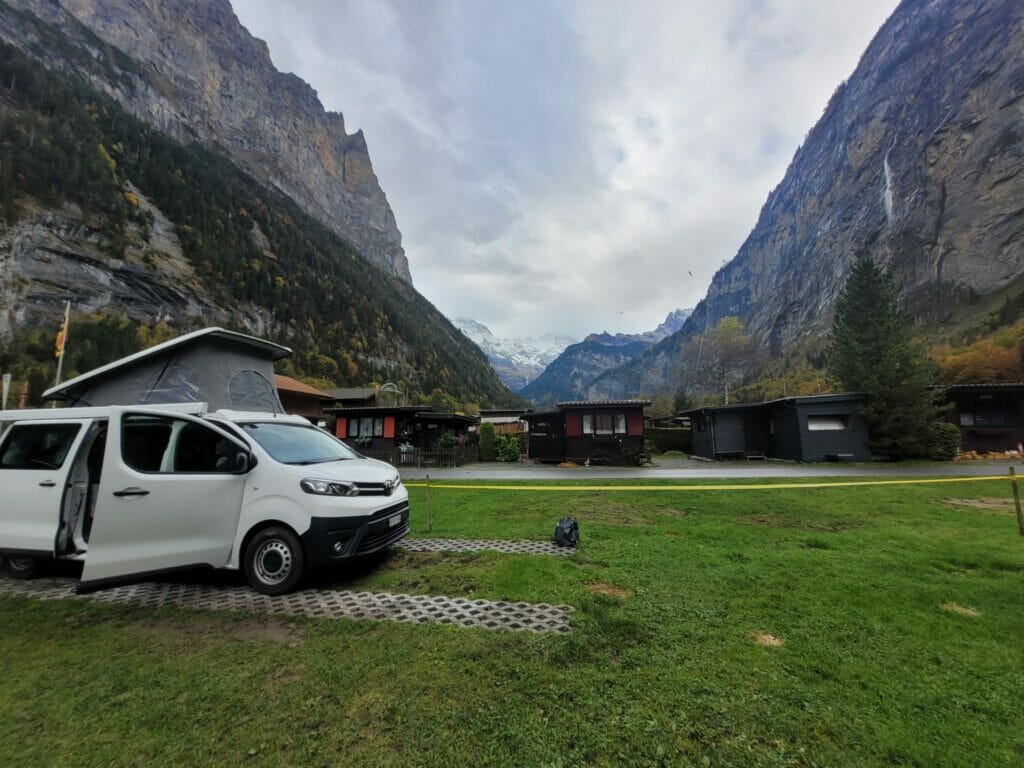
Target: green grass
872 671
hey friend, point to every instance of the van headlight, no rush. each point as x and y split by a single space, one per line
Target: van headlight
328 487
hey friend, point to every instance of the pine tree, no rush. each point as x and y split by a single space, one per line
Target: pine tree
872 350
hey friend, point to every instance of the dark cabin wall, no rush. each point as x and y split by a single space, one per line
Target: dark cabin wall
820 445
994 418
783 441
730 435
703 444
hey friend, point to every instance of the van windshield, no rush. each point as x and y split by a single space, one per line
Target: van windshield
297 444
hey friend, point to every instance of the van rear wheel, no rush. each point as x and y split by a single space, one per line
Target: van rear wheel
23 567
274 561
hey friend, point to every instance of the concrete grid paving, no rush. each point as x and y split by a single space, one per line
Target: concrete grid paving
320 603
481 545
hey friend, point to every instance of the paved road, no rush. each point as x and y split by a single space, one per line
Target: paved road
693 470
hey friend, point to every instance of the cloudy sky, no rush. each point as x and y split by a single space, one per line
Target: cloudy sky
569 167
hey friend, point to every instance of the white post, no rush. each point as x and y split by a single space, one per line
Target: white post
6 389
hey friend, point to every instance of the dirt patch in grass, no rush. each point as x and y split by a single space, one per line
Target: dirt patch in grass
188 631
778 521
271 629
961 610
987 504
614 513
607 588
766 639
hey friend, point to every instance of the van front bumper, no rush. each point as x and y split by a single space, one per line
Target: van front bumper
332 539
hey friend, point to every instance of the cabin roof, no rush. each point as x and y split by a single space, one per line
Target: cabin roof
841 397
268 348
351 393
576 404
288 384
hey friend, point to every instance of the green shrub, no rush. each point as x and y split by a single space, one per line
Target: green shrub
446 442
507 448
942 442
488 442
670 439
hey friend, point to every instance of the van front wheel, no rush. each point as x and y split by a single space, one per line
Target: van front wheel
274 561
23 567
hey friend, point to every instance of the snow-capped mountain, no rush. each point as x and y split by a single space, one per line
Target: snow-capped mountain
517 361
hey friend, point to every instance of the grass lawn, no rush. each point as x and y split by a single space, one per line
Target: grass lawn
826 627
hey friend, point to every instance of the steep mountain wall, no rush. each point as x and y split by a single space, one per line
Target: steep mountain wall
148 236
194 72
917 162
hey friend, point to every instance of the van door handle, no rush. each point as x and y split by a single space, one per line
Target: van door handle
47 484
131 492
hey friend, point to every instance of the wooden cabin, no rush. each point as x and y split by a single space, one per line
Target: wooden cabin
815 428
301 399
588 432
990 416
380 431
506 421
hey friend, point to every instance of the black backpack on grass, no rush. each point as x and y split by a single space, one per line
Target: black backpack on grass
567 532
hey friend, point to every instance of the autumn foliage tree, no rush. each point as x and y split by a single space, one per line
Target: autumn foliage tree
722 354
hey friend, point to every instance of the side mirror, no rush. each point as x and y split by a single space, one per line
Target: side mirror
244 462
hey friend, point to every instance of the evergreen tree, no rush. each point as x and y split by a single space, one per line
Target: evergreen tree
872 350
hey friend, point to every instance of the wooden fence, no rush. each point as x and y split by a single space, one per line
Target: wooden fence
417 457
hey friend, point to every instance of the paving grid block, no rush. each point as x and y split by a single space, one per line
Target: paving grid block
482 545
321 603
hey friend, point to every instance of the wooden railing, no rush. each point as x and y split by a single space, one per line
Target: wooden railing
418 457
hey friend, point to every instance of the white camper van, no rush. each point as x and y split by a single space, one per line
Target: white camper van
138 490
181 455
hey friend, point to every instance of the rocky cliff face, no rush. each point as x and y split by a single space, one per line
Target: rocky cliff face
917 162
190 69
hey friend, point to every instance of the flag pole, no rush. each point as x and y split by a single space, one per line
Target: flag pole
62 341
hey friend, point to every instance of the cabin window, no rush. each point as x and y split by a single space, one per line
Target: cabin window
975 419
604 423
828 423
378 427
353 427
37 446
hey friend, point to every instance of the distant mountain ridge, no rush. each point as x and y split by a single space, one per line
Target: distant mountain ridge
917 162
570 375
516 360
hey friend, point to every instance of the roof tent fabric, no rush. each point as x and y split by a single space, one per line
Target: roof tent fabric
224 370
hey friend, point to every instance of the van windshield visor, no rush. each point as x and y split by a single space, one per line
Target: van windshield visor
297 444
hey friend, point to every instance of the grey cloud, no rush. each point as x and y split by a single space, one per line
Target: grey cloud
552 164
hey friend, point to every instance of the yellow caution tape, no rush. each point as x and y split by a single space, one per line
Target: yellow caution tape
730 487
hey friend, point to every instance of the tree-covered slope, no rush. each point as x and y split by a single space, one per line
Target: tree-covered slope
101 208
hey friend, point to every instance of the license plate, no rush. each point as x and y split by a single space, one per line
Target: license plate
394 520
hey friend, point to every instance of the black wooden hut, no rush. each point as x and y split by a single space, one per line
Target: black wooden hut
990 416
588 432
815 428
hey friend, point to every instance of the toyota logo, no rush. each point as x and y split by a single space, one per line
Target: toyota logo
389 486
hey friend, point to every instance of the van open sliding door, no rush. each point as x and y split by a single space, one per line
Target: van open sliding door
170 496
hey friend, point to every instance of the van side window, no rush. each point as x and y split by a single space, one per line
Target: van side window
167 445
37 446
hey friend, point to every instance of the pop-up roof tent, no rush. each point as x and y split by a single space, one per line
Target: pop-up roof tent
221 368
